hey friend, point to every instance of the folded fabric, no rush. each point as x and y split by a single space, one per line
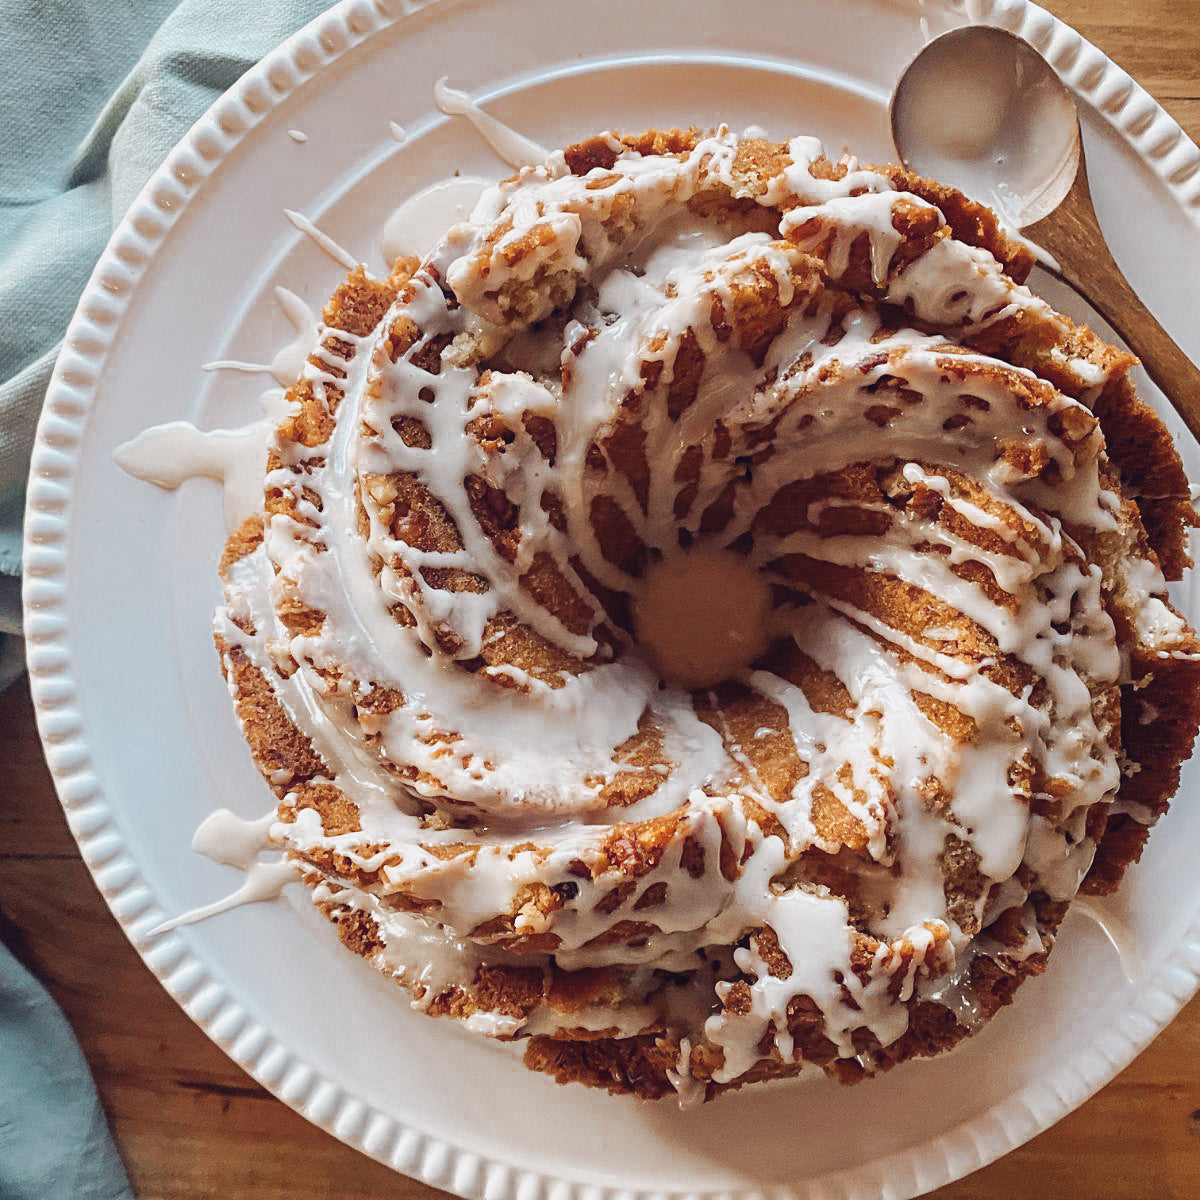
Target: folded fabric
54 1140
93 96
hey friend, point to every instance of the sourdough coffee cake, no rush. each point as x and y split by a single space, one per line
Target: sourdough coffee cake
708 619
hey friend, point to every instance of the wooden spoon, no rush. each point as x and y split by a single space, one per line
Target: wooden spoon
980 109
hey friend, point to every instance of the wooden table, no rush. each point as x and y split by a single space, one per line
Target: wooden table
191 1124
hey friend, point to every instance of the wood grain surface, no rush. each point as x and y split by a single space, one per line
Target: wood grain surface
192 1125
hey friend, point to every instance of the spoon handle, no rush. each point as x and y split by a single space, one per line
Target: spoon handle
1073 236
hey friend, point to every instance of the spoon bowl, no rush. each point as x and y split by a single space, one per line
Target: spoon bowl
980 109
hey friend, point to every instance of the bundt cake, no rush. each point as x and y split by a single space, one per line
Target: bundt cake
708 619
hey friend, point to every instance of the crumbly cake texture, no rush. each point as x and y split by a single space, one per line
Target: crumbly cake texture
973 696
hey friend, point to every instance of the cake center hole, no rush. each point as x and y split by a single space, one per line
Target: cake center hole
702 617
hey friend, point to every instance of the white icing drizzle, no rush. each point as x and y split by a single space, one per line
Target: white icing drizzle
264 881
226 838
1014 234
512 147
165 455
691 1091
168 454
233 364
336 252
418 224
288 362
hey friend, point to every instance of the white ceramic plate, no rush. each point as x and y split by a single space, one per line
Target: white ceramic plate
120 585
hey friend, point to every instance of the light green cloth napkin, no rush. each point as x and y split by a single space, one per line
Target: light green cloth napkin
54 1141
93 95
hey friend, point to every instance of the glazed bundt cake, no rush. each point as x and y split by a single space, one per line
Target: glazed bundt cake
708 619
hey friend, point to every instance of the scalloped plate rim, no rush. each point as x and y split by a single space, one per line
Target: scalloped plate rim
965 1147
